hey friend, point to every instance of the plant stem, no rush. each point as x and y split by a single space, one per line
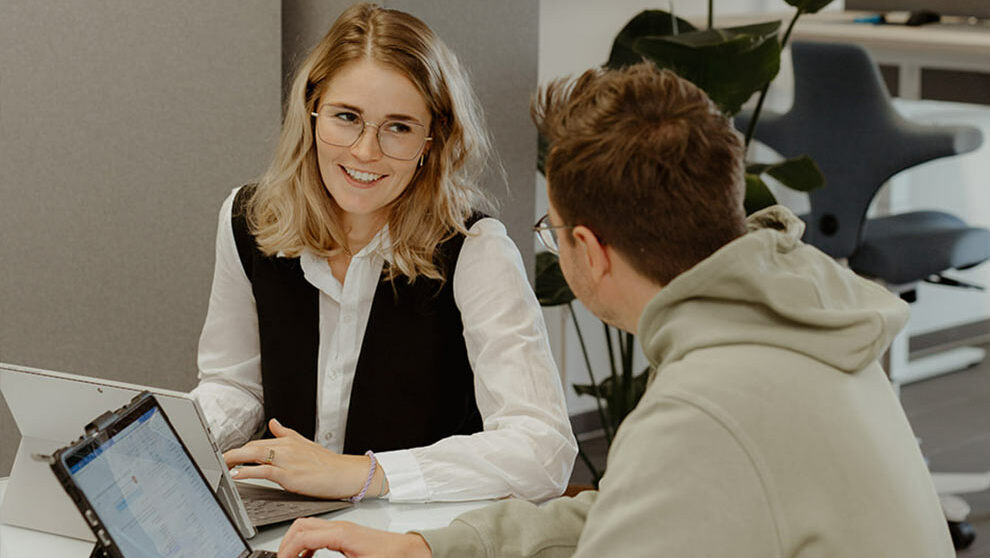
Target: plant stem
616 410
627 354
622 346
611 354
591 375
751 129
596 476
627 372
673 19
790 27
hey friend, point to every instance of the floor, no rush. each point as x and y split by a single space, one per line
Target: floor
951 416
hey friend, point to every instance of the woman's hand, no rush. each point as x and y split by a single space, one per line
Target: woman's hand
354 541
303 466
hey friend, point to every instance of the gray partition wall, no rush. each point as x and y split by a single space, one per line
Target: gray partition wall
124 124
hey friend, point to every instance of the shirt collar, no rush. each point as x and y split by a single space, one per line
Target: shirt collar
317 270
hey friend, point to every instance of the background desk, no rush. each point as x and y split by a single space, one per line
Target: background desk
16 542
947 46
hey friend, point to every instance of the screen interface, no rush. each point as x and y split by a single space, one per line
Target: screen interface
149 495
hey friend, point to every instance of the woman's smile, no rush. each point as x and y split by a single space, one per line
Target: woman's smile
362 179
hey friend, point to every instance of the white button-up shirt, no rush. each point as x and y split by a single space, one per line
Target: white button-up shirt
526 449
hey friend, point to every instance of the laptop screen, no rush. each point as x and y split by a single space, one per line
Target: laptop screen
149 495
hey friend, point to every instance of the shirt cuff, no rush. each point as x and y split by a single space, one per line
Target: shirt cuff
405 479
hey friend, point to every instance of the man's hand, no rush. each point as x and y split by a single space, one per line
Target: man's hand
302 466
308 535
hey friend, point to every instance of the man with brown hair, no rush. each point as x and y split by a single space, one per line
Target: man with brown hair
768 428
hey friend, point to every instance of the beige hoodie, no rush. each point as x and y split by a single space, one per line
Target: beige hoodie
768 430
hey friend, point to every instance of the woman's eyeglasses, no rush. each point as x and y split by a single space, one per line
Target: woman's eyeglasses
398 139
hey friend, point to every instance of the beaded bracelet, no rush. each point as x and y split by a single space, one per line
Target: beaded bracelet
367 482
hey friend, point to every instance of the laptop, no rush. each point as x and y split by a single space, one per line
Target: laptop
141 493
48 408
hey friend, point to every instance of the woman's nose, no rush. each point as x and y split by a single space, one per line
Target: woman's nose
366 148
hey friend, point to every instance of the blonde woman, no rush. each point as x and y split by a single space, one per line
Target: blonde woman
363 310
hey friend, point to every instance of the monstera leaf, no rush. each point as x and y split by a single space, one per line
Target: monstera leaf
809 6
798 173
646 23
729 64
609 386
622 399
758 195
551 288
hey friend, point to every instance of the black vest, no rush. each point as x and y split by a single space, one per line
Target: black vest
413 385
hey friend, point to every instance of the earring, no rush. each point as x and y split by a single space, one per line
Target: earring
421 158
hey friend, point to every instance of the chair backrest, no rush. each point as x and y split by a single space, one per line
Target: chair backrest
843 118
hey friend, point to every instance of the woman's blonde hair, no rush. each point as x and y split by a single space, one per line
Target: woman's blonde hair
291 209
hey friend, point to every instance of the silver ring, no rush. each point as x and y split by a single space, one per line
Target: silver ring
270 458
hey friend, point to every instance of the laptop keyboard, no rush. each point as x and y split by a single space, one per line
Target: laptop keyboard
267 506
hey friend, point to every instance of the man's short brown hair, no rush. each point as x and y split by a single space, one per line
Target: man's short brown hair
644 159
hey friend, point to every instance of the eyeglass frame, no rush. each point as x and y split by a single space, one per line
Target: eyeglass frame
544 227
378 131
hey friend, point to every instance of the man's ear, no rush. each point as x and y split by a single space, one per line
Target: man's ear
589 247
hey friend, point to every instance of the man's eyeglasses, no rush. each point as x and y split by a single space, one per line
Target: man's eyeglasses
548 233
342 127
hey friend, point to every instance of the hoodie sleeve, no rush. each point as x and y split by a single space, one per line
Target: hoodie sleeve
681 481
515 528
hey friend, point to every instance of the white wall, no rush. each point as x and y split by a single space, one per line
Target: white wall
957 185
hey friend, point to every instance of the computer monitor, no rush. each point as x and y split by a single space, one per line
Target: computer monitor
976 8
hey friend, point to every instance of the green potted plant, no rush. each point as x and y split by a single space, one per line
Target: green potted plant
730 65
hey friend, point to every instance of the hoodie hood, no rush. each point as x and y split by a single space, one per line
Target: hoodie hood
769 288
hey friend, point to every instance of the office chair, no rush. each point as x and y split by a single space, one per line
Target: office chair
843 118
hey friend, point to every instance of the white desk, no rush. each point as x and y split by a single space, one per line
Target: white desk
953 45
16 542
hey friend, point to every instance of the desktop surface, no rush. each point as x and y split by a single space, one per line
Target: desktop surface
952 34
975 8
953 44
17 542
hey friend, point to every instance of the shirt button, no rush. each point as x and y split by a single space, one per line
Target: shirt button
348 318
328 436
